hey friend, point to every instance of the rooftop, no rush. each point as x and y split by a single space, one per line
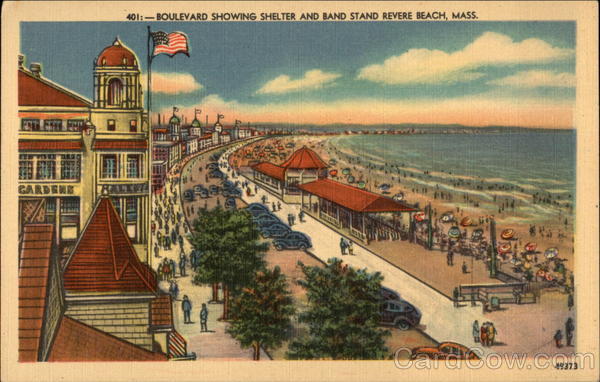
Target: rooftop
38 91
304 158
270 169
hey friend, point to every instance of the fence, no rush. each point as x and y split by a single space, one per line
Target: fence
509 293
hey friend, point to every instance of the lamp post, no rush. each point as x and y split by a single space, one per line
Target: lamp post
492 248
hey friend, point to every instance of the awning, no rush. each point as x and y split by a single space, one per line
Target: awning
120 144
50 145
353 198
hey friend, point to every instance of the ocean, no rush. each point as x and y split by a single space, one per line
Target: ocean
521 163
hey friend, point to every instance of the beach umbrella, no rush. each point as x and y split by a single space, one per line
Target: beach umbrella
447 217
346 171
454 232
508 234
361 184
530 247
504 248
281 148
420 216
332 162
399 196
333 173
384 187
551 252
466 221
351 179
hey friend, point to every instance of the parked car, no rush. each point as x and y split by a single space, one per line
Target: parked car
400 314
198 188
204 193
267 220
388 294
216 174
257 208
275 230
445 350
213 189
230 203
227 184
293 240
188 195
212 166
232 192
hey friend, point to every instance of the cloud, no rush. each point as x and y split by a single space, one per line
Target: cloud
426 66
173 83
313 79
482 110
537 78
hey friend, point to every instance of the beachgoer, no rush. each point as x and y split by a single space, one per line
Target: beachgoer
203 318
476 331
186 306
569 329
350 248
558 338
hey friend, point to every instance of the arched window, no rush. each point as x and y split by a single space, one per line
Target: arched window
115 91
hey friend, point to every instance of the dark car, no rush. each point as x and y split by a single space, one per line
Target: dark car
188 195
388 294
257 208
212 166
227 184
275 230
213 189
232 193
230 203
204 193
445 350
266 221
400 314
198 188
293 240
216 174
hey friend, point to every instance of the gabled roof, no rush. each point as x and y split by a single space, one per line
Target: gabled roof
353 198
38 91
270 169
304 158
33 284
76 341
104 259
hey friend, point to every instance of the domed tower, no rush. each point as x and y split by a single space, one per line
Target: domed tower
117 78
196 128
174 127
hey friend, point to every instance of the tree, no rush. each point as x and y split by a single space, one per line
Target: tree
343 314
261 312
231 250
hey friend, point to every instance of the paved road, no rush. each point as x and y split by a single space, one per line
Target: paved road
441 320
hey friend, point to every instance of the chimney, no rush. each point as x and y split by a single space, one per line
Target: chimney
36 68
21 61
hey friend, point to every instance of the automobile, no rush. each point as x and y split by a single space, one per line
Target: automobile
188 195
275 230
212 166
227 184
257 208
388 294
216 174
293 240
232 193
267 220
400 314
204 193
213 189
445 350
263 214
198 188
230 204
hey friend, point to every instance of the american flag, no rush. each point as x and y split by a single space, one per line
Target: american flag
170 44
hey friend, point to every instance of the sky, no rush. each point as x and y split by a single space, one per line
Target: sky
469 73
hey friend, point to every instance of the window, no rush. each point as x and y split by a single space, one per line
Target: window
131 209
30 124
74 124
50 210
117 203
25 166
46 166
111 125
133 126
70 166
69 210
133 166
115 90
109 166
53 125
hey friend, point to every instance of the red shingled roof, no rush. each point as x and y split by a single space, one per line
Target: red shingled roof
270 169
304 158
161 312
76 341
33 282
104 259
44 145
37 91
120 144
114 54
353 198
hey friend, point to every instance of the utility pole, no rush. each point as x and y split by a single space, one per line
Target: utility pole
492 250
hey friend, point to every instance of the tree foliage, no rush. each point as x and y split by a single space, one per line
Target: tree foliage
343 314
261 313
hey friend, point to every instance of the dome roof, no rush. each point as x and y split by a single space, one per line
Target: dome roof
174 120
117 54
196 123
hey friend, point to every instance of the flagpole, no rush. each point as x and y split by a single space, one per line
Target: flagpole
150 146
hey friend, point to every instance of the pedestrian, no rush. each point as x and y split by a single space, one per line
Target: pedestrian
483 332
264 199
278 206
350 248
274 206
180 239
455 295
569 329
476 331
173 290
203 318
172 267
558 338
491 334
343 246
517 295
290 219
156 250
464 267
167 243
301 216
182 262
186 305
449 257
570 301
